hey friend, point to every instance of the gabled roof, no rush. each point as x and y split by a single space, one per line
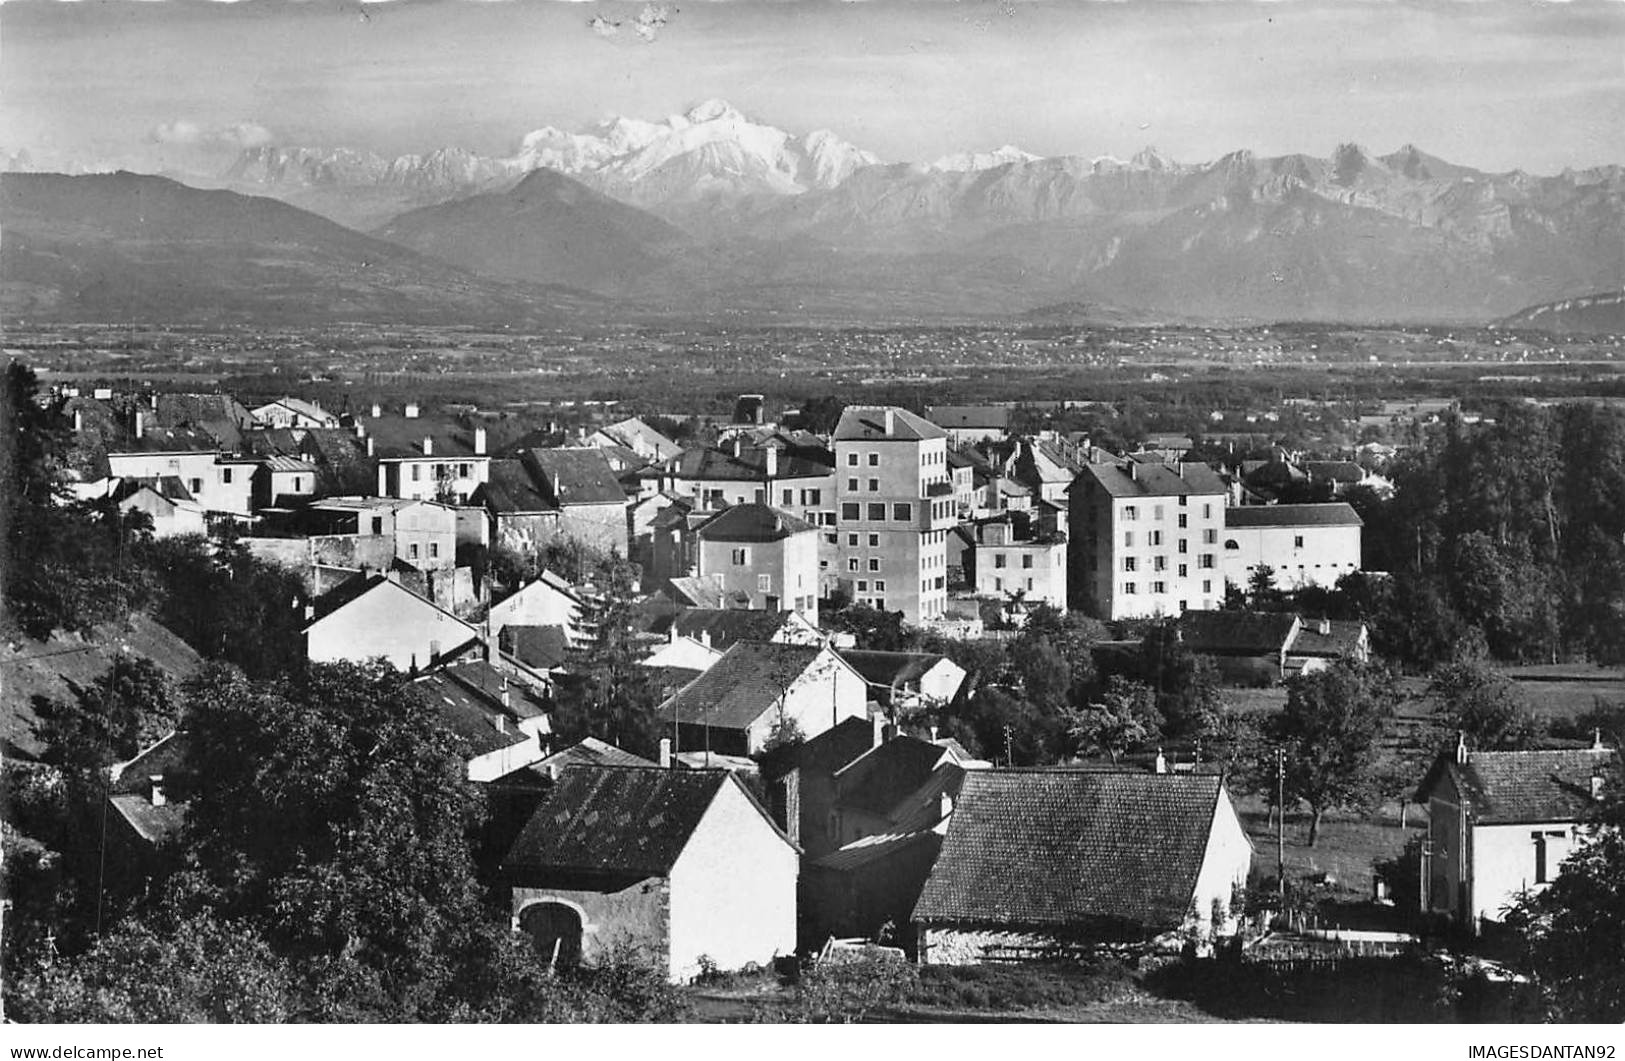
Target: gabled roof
357 586
825 753
701 593
1154 479
1336 471
306 409
619 819
166 440
590 751
510 490
710 464
279 464
868 422
753 522
401 438
882 777
164 758
743 685
1515 787
1330 514
576 475
542 647
470 715
152 824
1341 639
1236 633
890 668
168 487
723 626
1118 852
633 431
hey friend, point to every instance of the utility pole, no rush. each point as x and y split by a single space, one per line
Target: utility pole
1280 824
1009 746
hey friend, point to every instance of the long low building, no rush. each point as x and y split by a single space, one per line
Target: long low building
1304 545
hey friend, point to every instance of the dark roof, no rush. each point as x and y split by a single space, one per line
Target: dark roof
1330 514
579 475
152 824
825 753
616 819
165 758
883 777
1236 633
712 464
1152 479
168 487
868 422
167 440
1337 471
741 686
1068 848
753 522
1511 787
469 715
1341 638
401 438
969 416
725 626
890 668
590 751
510 489
702 593
542 647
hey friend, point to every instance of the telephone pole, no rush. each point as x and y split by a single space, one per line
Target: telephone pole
1280 824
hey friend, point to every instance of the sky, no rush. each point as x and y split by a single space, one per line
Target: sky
182 85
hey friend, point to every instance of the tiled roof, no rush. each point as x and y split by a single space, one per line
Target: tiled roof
882 777
616 819
1337 471
167 440
401 438
1341 638
741 686
1060 848
700 592
890 668
590 751
860 422
1230 633
825 753
577 475
542 647
287 464
152 824
469 715
1512 787
510 489
165 758
1330 514
753 522
709 464
1153 479
169 487
724 626
632 431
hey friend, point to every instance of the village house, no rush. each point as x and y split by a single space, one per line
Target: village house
678 864
769 468
1302 545
1500 825
546 495
502 722
896 507
373 616
970 423
425 459
164 499
545 601
765 556
1014 556
1145 539
282 481
637 436
722 628
147 797
1037 861
907 682
758 688
293 412
1266 647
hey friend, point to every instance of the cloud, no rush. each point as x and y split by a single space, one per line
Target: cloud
184 131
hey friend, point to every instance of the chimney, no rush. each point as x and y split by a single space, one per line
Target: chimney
1161 766
500 722
360 429
1179 466
140 424
370 449
671 635
891 420
78 419
1133 470
1596 786
772 455
933 732
392 574
155 790
557 485
878 735
507 695
778 523
377 410
428 445
705 638
1461 749
383 474
479 441
738 445
153 400
665 753
945 805
1596 738
310 612
411 410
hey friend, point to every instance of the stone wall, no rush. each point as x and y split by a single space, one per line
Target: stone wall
637 915
959 946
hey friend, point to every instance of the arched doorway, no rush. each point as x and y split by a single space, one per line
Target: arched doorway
556 930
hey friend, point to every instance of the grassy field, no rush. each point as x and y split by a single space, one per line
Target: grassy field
1347 848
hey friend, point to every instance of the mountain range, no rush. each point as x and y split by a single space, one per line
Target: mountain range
711 212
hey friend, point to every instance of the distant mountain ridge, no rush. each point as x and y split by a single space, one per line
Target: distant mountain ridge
1600 314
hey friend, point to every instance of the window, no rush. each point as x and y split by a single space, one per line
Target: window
1206 560
196 485
812 497
1184 546
874 460
462 471
1159 587
1231 543
1128 589
851 460
877 512
1159 563
852 564
1182 500
1207 585
1210 536
1297 541
1156 512
225 475
1130 563
998 583
1184 571
998 559
378 524
741 557
1156 537
874 486
833 539
761 497
863 585
434 550
1207 511
412 551
852 540
1027 560
849 510
417 472
874 541
874 563
789 497
1128 538
764 583
1130 512
298 484
852 485
880 585
1182 518
903 512
1548 854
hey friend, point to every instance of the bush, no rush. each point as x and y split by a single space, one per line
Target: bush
1025 986
849 992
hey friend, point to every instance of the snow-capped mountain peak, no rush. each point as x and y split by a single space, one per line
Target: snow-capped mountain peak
976 161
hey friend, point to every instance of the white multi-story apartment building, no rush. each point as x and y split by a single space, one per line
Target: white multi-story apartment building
895 505
1146 539
1302 545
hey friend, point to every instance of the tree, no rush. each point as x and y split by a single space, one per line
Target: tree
1124 716
1484 706
228 604
1574 931
1262 595
130 706
786 731
1330 732
872 629
1186 685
